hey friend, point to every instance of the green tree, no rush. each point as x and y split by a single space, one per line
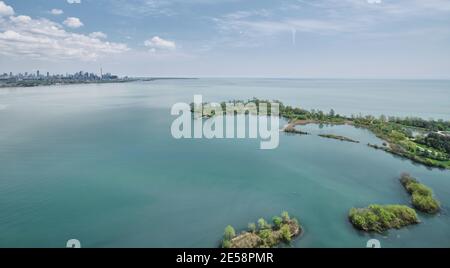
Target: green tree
252 227
229 233
285 216
277 221
332 113
262 224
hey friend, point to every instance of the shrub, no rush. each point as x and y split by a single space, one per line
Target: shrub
268 238
226 244
277 221
265 234
425 203
286 233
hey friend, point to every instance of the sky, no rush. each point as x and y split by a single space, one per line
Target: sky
228 38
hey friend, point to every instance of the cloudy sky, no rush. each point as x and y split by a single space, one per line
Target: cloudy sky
239 38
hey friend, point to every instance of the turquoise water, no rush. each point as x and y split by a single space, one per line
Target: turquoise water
97 163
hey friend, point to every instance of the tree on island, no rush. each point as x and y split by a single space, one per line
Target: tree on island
285 216
262 224
277 221
252 227
229 233
332 113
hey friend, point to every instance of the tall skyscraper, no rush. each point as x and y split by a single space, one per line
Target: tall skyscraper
37 73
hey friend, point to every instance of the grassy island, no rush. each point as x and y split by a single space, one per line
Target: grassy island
263 235
377 218
336 137
430 147
422 196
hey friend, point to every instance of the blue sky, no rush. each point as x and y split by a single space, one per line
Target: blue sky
239 38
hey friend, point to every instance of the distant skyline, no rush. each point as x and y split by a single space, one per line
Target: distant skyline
228 38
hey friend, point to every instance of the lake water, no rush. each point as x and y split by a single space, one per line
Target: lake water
98 163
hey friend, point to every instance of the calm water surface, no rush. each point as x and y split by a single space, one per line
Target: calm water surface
98 163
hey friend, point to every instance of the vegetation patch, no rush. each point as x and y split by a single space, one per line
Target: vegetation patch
263 235
336 137
377 218
292 130
421 195
429 149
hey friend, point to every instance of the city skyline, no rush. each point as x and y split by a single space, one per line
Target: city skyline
231 38
38 78
38 73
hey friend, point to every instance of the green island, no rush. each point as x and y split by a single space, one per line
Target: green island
263 235
378 218
421 195
337 137
426 142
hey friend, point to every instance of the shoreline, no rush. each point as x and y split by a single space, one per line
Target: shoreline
64 83
38 83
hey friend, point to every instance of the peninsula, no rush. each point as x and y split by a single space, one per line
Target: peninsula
426 142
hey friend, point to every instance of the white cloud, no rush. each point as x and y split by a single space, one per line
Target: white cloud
73 22
397 8
241 14
56 11
20 19
272 27
248 27
5 10
23 36
158 43
98 35
74 1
